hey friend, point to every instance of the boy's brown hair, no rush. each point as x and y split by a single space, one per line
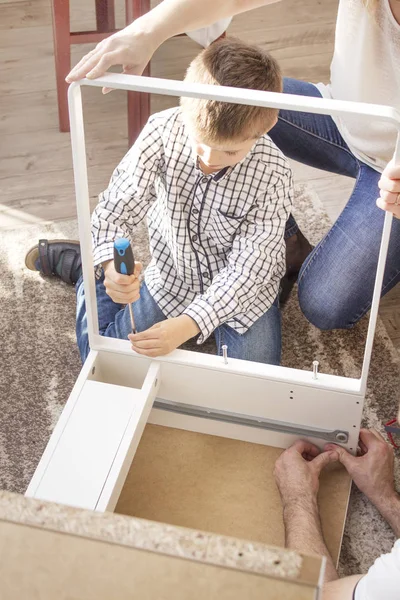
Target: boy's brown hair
231 62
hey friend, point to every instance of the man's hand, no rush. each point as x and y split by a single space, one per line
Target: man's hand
164 337
297 472
389 185
122 289
372 471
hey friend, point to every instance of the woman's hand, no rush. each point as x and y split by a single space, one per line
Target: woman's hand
130 47
389 184
122 289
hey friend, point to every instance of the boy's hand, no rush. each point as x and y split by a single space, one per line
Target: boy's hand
164 337
122 289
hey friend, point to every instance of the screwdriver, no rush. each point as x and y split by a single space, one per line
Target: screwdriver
124 263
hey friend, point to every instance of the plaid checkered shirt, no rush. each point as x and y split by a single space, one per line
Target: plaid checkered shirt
217 241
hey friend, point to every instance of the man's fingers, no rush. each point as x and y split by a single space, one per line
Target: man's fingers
363 447
370 437
323 459
343 456
304 447
378 435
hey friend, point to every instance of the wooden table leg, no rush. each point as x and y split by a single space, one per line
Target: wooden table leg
105 15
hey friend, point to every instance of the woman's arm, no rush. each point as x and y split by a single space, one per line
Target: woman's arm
134 46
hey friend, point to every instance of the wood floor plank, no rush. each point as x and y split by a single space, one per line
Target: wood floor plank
24 14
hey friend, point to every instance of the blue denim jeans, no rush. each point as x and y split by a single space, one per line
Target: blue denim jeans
261 343
336 281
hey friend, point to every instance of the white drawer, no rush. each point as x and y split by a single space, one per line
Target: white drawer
95 439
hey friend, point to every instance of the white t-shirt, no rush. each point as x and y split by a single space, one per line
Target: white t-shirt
365 68
207 35
382 582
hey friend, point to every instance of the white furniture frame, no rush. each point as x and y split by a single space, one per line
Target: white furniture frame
118 391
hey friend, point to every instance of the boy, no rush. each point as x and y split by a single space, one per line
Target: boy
217 193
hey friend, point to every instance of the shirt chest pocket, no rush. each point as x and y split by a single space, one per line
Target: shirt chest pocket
223 228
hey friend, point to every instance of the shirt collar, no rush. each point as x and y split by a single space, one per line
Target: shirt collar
214 176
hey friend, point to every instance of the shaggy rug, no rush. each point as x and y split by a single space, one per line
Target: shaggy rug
40 363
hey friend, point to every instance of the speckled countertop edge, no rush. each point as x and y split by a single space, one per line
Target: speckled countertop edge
152 536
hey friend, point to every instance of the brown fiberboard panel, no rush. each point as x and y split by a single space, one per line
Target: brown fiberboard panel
220 485
37 564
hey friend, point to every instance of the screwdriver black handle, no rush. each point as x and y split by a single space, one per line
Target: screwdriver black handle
124 263
124 260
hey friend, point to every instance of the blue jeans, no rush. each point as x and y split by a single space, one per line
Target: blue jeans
336 281
261 343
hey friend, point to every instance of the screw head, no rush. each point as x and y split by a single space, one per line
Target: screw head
342 437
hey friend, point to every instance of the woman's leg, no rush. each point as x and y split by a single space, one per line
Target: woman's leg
312 139
337 279
260 343
114 319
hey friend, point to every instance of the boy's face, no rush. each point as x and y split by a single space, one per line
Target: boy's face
225 154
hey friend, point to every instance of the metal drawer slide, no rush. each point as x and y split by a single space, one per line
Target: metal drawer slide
337 436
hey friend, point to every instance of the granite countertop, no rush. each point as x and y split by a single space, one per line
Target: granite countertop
153 536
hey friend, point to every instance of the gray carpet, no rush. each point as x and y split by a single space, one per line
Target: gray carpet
40 363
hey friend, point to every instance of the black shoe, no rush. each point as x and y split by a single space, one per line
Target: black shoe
297 250
59 258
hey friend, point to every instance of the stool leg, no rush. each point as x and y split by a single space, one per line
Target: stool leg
62 55
105 15
138 102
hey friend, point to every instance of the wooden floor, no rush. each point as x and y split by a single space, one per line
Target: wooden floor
36 181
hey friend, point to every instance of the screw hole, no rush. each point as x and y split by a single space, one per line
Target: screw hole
93 370
357 403
155 383
291 397
351 448
240 553
354 425
277 562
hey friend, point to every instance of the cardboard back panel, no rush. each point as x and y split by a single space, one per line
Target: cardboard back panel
221 485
